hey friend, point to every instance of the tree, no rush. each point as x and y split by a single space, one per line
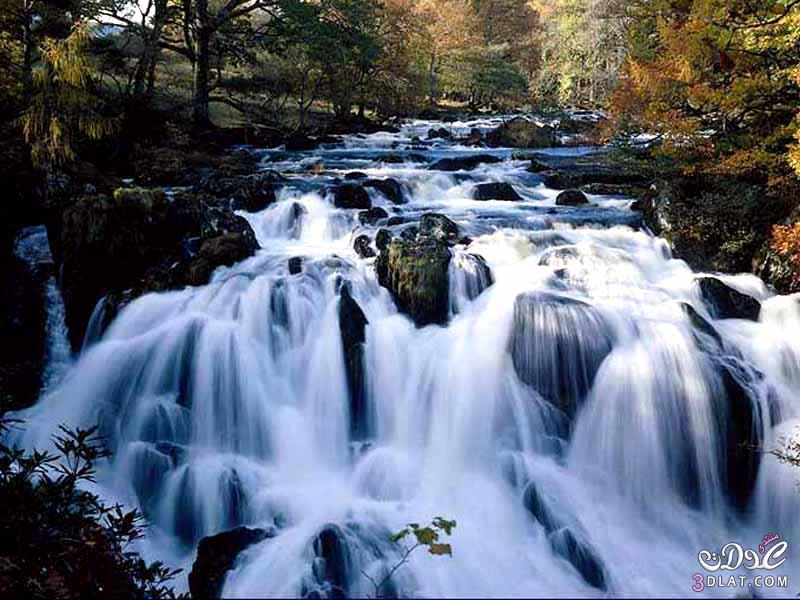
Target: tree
61 541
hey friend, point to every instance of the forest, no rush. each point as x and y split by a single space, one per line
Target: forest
137 133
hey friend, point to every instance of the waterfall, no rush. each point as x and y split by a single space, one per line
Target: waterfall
578 416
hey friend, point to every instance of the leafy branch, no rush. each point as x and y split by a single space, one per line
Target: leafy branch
427 537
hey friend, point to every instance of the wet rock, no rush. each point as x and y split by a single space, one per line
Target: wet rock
395 221
611 189
464 163
521 133
403 158
714 223
390 188
416 273
221 251
700 325
440 133
355 176
252 193
571 198
216 555
300 143
363 247
475 137
557 345
742 437
438 227
352 325
495 191
295 265
536 166
382 239
105 243
332 570
410 234
372 216
724 302
534 502
582 556
350 195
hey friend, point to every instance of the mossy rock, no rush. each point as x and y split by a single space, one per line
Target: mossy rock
416 273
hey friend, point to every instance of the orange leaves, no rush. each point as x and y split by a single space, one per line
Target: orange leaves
786 242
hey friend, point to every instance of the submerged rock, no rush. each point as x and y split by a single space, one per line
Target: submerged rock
216 555
582 556
352 325
557 345
416 273
724 302
464 163
350 195
495 191
571 198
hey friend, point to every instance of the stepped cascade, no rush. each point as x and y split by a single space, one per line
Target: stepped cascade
564 389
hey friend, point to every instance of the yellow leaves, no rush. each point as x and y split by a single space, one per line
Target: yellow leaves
63 107
441 549
786 242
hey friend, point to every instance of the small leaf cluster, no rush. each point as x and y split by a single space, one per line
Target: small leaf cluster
429 535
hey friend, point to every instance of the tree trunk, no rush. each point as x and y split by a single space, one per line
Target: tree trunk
202 66
27 56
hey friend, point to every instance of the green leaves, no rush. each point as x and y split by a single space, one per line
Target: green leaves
428 536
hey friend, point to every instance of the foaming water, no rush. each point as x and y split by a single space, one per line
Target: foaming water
578 416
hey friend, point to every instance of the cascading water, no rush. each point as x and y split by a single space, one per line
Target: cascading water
578 416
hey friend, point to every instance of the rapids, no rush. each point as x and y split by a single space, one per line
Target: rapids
228 404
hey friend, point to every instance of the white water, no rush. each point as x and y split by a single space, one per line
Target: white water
228 404
32 247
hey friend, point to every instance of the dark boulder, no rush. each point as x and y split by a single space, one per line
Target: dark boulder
416 273
742 436
372 216
495 191
382 239
295 265
724 302
363 247
300 143
252 193
396 220
440 133
521 133
464 163
390 188
409 234
438 227
352 325
395 159
350 195
571 198
216 555
557 345
355 176
220 251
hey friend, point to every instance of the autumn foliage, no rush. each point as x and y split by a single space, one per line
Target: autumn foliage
786 243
